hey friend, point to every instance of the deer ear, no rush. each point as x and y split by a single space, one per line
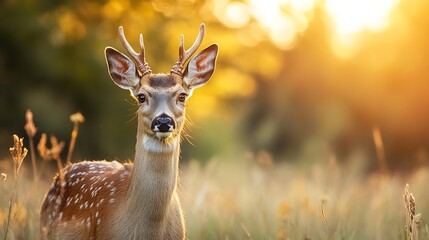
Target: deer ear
201 67
121 69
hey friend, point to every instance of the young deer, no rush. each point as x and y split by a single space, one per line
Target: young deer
110 200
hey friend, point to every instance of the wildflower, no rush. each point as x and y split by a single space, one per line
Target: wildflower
283 211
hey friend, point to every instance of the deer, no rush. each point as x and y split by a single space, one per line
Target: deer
139 200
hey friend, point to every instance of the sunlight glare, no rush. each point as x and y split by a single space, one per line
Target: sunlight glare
236 15
352 16
282 25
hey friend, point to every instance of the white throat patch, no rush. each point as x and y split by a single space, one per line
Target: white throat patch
154 145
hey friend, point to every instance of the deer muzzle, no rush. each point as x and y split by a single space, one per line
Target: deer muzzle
163 124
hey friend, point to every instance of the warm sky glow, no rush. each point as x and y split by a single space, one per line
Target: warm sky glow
351 17
283 20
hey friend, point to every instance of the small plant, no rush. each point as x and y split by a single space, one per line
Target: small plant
31 131
18 152
412 219
76 119
53 153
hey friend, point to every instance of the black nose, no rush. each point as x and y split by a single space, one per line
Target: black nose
163 123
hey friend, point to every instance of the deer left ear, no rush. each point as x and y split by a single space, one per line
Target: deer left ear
201 67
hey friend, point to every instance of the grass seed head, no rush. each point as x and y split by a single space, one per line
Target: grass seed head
29 125
50 153
44 151
77 118
413 220
57 147
18 152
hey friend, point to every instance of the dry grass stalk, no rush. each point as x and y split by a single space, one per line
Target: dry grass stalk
325 219
379 147
412 219
18 153
76 119
31 131
246 231
283 211
53 153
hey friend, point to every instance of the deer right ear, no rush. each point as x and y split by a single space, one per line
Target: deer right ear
201 67
121 69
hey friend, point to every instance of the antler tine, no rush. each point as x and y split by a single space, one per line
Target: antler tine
184 55
195 46
138 58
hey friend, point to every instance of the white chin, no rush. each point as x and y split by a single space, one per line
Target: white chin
163 135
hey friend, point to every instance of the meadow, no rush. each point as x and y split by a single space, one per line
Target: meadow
294 80
253 196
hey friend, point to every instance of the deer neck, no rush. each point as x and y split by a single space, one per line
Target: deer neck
153 182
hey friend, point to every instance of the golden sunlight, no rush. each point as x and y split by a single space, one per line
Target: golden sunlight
281 20
350 17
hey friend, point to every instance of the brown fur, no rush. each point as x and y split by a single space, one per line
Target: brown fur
109 200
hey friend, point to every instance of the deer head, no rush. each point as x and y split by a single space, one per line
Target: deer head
161 97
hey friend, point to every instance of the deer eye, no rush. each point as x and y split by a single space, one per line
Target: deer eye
141 98
182 97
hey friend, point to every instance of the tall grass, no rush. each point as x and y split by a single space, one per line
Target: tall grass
252 196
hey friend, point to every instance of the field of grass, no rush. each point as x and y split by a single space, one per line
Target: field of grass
251 197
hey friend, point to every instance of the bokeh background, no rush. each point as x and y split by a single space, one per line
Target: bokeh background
303 80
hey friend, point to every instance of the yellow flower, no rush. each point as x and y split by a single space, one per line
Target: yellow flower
283 211
281 234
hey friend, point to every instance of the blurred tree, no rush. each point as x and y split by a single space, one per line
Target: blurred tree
284 83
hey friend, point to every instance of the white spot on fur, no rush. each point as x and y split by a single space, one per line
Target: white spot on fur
69 199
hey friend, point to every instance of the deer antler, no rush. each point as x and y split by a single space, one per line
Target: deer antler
138 58
184 55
